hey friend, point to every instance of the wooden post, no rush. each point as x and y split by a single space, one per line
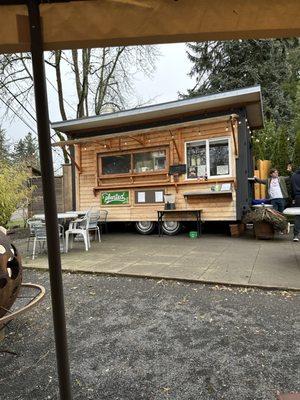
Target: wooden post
257 193
67 187
264 168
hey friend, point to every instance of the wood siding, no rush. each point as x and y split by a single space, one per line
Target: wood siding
215 207
37 204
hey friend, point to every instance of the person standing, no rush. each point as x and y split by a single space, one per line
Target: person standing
276 189
295 179
290 171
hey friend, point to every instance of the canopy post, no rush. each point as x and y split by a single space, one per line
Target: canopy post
54 260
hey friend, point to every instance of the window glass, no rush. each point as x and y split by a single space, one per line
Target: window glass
150 161
116 164
219 157
196 159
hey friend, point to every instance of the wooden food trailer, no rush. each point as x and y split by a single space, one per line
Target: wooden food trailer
198 150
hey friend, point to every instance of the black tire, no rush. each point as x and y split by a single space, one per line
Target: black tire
171 227
145 227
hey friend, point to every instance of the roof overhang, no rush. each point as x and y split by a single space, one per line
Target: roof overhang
96 23
163 114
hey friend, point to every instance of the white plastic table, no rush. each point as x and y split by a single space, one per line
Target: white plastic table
292 211
67 215
262 205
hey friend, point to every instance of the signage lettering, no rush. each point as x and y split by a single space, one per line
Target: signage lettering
108 198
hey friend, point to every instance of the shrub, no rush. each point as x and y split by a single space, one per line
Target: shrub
14 190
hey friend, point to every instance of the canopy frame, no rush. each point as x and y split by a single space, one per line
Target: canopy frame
47 172
280 21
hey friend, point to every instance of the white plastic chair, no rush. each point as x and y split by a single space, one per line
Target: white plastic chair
61 233
40 236
79 226
93 224
31 223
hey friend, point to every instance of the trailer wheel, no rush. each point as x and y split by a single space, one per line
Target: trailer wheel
145 227
171 227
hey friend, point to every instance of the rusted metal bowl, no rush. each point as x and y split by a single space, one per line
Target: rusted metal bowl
10 274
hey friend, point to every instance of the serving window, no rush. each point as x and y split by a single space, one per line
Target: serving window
196 159
120 164
133 163
218 157
208 158
149 161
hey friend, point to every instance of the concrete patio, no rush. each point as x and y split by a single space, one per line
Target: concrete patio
212 258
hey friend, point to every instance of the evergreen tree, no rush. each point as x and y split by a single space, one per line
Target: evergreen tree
296 121
264 141
292 85
296 128
26 150
4 148
280 156
296 159
220 66
19 150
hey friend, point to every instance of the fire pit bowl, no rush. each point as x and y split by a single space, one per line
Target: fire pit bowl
10 273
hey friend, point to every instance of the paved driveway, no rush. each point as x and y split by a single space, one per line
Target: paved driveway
212 258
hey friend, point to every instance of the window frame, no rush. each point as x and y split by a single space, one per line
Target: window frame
100 165
131 152
150 151
207 141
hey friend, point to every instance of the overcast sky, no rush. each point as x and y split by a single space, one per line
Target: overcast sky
170 77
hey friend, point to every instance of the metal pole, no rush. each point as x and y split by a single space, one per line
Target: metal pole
54 260
72 152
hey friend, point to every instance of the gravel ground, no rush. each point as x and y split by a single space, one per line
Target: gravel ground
148 339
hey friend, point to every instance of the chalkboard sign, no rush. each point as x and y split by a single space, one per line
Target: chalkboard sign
177 169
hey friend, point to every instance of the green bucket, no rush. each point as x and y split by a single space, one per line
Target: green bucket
193 234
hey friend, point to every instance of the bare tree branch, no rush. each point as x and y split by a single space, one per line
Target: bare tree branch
102 80
59 85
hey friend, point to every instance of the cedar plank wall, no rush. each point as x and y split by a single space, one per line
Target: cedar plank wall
218 207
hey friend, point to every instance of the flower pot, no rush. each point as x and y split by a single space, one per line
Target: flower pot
236 230
263 230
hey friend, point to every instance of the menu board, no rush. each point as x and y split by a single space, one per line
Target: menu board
149 196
